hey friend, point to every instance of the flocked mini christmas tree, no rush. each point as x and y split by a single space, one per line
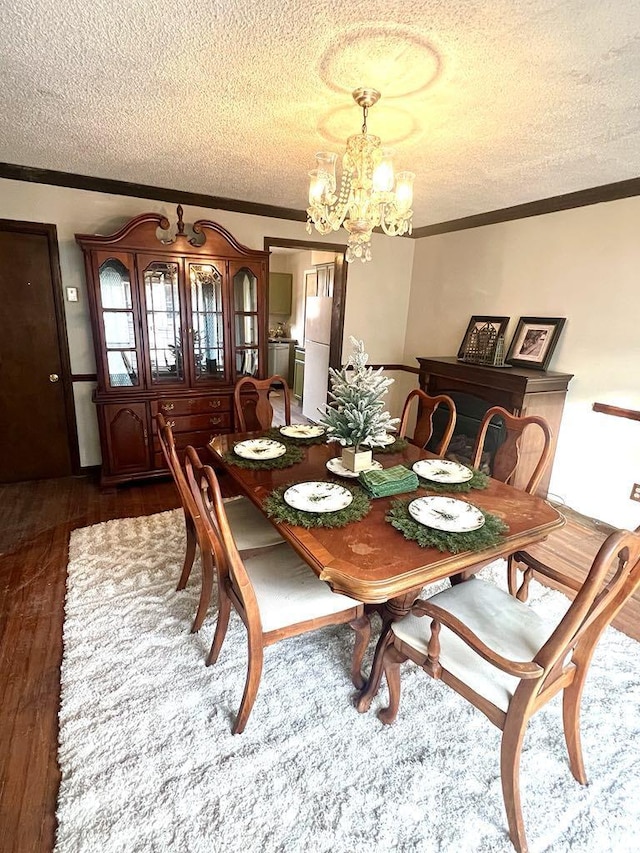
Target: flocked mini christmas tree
355 415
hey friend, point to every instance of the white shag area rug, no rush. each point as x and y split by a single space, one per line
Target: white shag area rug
149 762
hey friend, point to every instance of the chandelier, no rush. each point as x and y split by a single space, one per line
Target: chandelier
367 197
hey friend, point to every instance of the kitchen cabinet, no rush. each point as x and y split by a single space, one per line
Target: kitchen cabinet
279 360
280 290
176 322
298 373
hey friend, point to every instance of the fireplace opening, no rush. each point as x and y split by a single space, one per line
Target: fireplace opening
470 411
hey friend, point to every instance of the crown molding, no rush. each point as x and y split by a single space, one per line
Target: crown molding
568 201
106 185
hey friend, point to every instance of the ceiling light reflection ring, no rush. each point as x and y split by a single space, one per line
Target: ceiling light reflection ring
398 61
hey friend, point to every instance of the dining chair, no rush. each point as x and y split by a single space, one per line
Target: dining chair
424 425
250 528
508 661
507 456
505 463
274 591
253 413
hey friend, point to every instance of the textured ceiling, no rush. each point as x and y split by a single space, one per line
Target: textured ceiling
492 104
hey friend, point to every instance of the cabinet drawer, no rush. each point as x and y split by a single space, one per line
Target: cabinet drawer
215 422
199 438
191 405
158 459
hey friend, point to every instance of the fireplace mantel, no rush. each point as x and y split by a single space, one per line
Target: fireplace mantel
519 391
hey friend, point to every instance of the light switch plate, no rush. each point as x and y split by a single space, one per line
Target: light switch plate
72 294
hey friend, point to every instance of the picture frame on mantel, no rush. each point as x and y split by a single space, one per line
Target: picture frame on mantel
477 322
534 341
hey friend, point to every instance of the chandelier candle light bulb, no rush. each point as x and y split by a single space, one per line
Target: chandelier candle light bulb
366 198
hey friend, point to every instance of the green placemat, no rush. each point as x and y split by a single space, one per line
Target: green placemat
398 445
275 434
291 457
478 481
491 532
275 507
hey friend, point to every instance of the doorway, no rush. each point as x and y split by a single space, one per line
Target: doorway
38 438
339 287
335 287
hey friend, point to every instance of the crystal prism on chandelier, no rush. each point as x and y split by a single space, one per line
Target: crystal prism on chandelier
367 197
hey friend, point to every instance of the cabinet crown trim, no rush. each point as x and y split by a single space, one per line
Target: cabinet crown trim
141 232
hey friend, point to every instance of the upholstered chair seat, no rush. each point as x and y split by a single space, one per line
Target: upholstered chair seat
287 590
249 526
503 623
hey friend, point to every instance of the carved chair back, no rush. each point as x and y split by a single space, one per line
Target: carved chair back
251 402
217 531
194 536
507 456
424 425
168 447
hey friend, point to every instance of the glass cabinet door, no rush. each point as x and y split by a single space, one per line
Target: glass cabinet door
162 310
207 322
118 322
244 285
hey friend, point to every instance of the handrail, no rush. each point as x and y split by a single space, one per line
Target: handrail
616 411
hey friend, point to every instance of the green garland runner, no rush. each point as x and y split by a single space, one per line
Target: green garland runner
291 457
275 434
478 481
275 507
489 534
398 445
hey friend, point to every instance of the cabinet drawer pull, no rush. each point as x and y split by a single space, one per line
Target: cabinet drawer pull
215 404
215 421
167 407
171 424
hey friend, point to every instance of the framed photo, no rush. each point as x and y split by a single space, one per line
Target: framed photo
476 323
534 341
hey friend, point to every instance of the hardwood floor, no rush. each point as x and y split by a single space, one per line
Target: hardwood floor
35 521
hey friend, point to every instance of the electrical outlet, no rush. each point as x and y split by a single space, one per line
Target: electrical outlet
635 492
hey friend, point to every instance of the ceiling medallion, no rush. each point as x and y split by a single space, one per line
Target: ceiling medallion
367 197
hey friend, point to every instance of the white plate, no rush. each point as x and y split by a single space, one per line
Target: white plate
442 471
302 431
318 497
336 467
384 442
260 448
447 514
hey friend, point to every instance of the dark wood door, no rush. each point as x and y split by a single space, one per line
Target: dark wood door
34 368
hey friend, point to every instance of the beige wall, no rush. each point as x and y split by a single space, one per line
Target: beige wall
416 297
377 293
581 264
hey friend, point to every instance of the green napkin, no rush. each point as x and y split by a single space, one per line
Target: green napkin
389 481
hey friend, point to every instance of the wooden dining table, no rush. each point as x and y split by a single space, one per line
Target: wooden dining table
371 561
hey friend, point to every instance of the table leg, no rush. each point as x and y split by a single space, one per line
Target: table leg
391 611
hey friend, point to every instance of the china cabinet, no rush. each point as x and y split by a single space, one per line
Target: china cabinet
177 320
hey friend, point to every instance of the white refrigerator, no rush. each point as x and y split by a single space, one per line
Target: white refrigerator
317 333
